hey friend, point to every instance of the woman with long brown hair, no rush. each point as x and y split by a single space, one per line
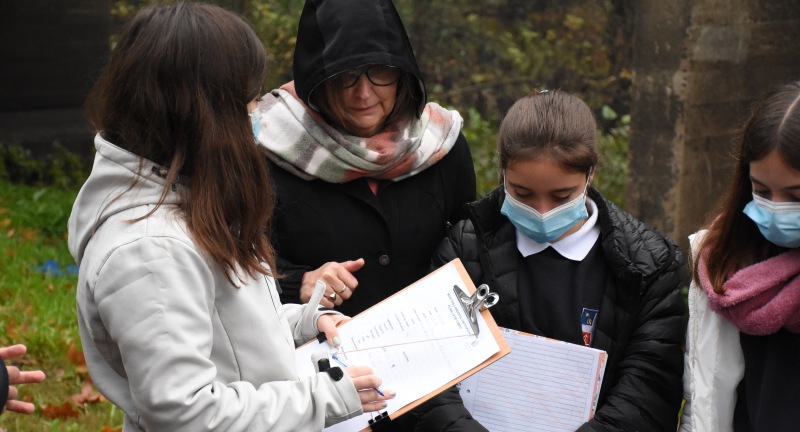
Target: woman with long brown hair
743 340
178 309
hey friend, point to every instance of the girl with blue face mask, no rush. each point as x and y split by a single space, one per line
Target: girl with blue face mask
744 301
777 214
552 225
569 264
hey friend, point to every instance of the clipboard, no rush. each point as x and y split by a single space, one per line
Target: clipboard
399 303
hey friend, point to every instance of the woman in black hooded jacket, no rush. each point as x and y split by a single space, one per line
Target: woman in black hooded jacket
555 249
367 175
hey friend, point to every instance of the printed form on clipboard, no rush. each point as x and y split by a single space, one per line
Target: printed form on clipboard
420 341
543 385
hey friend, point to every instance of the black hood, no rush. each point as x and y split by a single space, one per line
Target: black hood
336 35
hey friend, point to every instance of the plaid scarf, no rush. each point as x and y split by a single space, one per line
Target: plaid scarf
299 140
761 298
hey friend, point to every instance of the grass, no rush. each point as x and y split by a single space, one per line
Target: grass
37 308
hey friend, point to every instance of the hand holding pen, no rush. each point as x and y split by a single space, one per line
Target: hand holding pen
365 397
338 359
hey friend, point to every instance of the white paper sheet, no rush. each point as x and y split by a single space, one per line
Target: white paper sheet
416 341
542 385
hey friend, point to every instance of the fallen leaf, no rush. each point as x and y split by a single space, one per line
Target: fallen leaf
29 234
108 428
75 356
11 330
87 395
61 412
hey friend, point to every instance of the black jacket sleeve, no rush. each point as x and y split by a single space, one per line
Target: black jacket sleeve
291 279
464 169
444 412
449 248
648 388
4 383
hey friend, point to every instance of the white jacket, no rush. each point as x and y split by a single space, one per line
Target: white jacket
167 338
714 363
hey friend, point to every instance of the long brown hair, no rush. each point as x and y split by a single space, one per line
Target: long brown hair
175 91
733 241
554 124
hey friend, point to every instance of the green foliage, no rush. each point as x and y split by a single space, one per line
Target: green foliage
507 48
275 22
44 209
41 208
482 138
60 169
613 168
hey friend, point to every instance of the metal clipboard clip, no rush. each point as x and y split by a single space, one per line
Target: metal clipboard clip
481 299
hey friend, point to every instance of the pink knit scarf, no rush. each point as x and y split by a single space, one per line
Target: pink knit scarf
761 298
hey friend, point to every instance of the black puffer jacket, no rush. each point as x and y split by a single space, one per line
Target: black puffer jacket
644 330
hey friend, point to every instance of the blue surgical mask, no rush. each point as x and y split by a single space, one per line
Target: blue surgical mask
779 222
256 126
545 228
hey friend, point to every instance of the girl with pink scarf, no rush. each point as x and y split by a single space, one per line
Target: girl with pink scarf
743 338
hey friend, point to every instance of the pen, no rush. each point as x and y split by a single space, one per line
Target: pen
343 364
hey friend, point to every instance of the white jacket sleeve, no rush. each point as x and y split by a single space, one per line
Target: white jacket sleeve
714 365
156 299
303 318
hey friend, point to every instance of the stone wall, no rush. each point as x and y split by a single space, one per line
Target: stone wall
698 66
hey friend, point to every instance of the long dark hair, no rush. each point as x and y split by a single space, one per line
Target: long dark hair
175 91
554 124
733 241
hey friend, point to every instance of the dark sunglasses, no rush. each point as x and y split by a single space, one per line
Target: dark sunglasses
379 75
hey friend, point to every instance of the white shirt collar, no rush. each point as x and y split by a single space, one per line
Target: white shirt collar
574 246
